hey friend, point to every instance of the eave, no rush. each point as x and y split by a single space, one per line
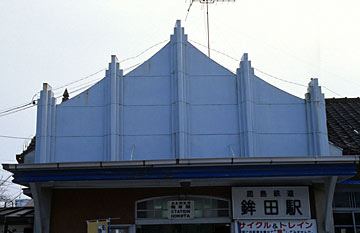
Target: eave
195 169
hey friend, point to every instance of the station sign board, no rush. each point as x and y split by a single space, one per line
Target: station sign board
271 203
181 209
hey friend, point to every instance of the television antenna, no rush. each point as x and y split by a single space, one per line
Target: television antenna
206 2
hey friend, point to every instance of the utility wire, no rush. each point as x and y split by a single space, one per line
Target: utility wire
81 85
331 91
188 11
11 110
87 84
79 89
272 76
66 85
13 137
14 108
287 52
90 83
216 51
143 51
79 80
260 71
5 114
130 67
34 96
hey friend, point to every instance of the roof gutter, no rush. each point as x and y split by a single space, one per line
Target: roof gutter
355 159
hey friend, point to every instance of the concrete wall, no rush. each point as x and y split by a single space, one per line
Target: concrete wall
180 104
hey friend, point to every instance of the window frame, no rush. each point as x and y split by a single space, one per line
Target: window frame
154 221
352 209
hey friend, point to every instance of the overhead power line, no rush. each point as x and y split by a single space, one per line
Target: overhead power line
231 57
272 76
88 84
188 11
13 137
144 51
11 110
130 67
76 81
76 90
14 108
260 71
331 91
216 51
30 105
91 82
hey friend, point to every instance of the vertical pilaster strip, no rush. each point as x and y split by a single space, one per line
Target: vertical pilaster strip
111 118
246 108
113 108
45 125
53 131
120 119
182 130
106 144
241 114
173 86
316 120
310 125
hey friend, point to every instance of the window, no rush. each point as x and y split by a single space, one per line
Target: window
204 207
342 199
346 206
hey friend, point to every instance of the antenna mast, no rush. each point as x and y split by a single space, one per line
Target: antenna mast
207 15
208 31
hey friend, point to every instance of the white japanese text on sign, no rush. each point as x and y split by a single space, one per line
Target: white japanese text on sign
279 226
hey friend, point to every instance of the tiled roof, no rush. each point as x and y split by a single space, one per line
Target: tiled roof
343 123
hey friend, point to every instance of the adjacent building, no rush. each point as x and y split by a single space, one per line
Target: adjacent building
343 121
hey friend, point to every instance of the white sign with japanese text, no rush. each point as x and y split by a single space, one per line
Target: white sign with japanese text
279 226
271 203
181 209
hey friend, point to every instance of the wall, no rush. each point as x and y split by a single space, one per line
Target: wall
90 204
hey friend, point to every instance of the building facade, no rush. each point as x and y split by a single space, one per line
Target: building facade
181 144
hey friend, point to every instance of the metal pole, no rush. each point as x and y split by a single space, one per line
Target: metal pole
207 15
